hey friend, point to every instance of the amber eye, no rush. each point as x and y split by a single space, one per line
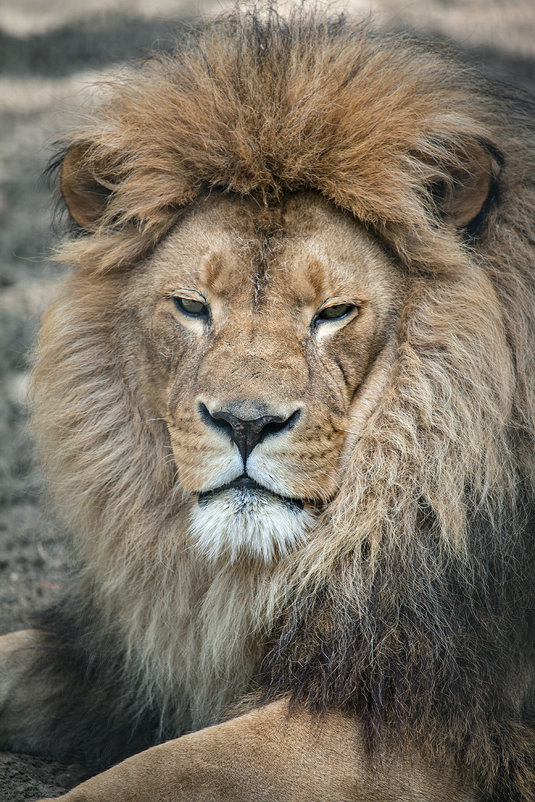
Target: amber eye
191 307
336 312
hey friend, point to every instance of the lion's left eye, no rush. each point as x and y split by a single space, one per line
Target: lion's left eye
336 312
191 307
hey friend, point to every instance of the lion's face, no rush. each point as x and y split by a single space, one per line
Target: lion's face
254 332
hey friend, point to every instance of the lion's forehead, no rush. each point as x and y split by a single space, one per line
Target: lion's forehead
301 251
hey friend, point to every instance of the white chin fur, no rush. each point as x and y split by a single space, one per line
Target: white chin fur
243 523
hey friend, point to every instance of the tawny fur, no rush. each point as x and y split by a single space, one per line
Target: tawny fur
409 604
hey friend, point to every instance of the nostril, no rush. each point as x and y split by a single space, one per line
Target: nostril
218 422
277 425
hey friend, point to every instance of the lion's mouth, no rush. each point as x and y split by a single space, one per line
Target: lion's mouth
248 485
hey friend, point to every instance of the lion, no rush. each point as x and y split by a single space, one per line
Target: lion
285 403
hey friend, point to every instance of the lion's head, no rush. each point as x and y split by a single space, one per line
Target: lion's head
260 265
255 335
290 382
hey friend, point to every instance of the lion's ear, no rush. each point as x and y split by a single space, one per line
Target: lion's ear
462 198
84 187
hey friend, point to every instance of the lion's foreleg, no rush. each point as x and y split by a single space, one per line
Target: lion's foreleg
21 692
269 755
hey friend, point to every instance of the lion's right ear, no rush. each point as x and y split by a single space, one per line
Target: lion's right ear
84 187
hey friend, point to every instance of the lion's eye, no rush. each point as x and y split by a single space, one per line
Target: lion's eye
191 307
336 312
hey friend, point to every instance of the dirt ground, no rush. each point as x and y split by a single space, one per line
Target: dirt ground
50 51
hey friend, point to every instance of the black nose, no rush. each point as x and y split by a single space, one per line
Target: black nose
247 433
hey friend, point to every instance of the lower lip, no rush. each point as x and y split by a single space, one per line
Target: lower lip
248 486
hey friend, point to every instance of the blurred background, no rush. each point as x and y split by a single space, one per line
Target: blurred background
51 52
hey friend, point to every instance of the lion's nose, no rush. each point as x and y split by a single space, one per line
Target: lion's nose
247 433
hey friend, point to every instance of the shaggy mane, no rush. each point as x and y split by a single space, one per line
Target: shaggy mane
371 122
410 606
